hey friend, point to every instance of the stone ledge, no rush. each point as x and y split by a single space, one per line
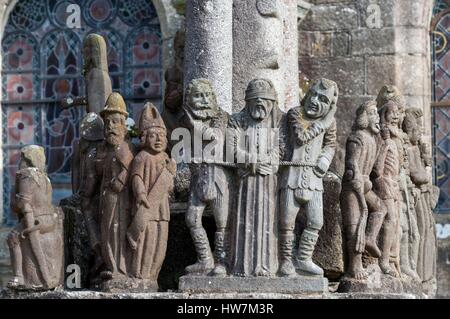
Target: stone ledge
62 294
291 285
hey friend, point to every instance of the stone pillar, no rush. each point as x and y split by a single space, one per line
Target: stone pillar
265 46
209 46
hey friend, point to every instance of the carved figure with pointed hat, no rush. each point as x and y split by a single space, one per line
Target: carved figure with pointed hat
151 178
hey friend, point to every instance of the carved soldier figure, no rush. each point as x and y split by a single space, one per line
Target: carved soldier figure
423 192
36 243
358 200
83 162
254 238
385 178
312 136
209 181
110 174
96 77
151 178
173 95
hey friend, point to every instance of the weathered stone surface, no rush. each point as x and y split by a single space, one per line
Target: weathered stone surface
335 16
347 72
76 242
260 41
209 46
292 285
377 282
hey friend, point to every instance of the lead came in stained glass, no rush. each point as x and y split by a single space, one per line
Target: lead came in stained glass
441 95
42 64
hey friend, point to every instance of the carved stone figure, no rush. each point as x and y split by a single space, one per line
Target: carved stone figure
110 175
96 77
83 162
255 226
358 200
312 137
151 178
173 95
385 178
423 192
408 231
206 120
36 243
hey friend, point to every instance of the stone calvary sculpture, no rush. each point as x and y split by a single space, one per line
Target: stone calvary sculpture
312 137
260 221
36 244
387 220
151 179
258 172
204 118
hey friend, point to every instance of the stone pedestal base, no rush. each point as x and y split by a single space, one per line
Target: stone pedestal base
294 285
129 285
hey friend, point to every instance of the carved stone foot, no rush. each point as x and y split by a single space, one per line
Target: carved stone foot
373 249
287 269
410 273
387 269
359 274
219 271
16 283
309 268
200 267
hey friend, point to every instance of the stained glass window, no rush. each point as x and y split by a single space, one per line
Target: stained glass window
441 102
42 64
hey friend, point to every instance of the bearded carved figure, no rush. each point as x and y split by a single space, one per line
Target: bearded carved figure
408 232
312 140
256 150
151 178
95 72
424 193
206 122
386 185
36 244
110 175
358 201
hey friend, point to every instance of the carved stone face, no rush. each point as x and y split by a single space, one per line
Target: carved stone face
115 129
373 119
201 101
259 108
390 118
318 102
414 129
155 140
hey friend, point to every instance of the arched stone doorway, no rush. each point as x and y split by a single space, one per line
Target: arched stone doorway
41 63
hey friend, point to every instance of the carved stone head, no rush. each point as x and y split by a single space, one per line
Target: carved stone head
392 93
92 127
367 117
412 125
153 130
320 98
200 100
389 118
114 115
260 98
32 156
94 53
